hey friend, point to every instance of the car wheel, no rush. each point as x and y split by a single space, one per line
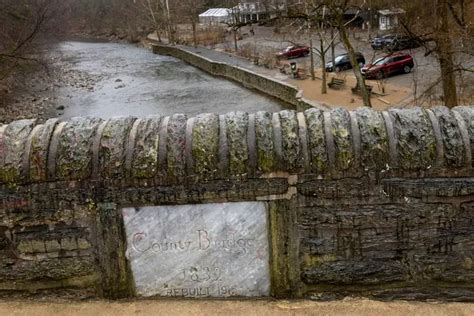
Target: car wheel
406 69
380 75
337 69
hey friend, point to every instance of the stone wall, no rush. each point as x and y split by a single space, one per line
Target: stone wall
378 204
269 86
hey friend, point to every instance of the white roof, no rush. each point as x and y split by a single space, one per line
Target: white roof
215 12
391 11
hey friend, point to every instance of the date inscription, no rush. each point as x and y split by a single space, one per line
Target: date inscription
206 250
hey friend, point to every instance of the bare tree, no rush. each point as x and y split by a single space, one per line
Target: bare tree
24 24
190 9
337 10
445 30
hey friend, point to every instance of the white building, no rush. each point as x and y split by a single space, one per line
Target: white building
214 16
388 19
247 10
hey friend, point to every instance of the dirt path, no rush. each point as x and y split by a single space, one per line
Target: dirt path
351 307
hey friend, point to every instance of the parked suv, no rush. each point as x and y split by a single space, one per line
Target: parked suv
392 42
342 62
294 51
403 42
381 41
388 65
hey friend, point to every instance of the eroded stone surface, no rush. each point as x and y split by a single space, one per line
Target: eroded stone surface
290 141
205 144
317 140
374 149
112 147
74 155
265 147
145 150
341 130
12 144
207 250
416 143
237 123
39 150
176 146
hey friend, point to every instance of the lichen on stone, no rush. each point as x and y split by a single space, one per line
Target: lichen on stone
416 143
205 144
317 140
374 149
290 140
237 124
341 131
176 146
112 147
264 139
74 153
144 162
39 151
12 149
454 152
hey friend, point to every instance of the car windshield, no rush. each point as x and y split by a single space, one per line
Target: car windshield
380 61
339 58
289 48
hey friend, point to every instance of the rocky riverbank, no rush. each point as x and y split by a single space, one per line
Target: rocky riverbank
32 92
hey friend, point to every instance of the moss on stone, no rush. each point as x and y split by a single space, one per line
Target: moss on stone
416 144
74 154
205 144
237 125
317 140
264 136
290 140
144 162
176 146
374 149
12 150
341 130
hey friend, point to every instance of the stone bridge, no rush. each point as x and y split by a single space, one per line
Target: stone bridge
378 204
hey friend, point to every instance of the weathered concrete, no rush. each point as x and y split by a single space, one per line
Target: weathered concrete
269 86
374 203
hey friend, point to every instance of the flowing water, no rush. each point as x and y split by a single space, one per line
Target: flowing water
124 80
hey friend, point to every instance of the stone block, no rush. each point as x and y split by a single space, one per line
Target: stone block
207 250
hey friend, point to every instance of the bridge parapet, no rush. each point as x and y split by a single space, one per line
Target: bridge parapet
240 145
357 202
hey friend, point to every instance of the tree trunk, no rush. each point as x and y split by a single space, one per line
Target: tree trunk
355 65
194 33
324 88
158 35
333 49
235 40
311 57
445 55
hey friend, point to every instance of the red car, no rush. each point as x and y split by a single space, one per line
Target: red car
294 51
388 65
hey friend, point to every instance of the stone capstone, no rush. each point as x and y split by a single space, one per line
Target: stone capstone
237 144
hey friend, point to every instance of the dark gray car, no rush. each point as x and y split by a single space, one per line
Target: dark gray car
342 62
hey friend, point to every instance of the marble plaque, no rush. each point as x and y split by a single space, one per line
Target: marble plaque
199 250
